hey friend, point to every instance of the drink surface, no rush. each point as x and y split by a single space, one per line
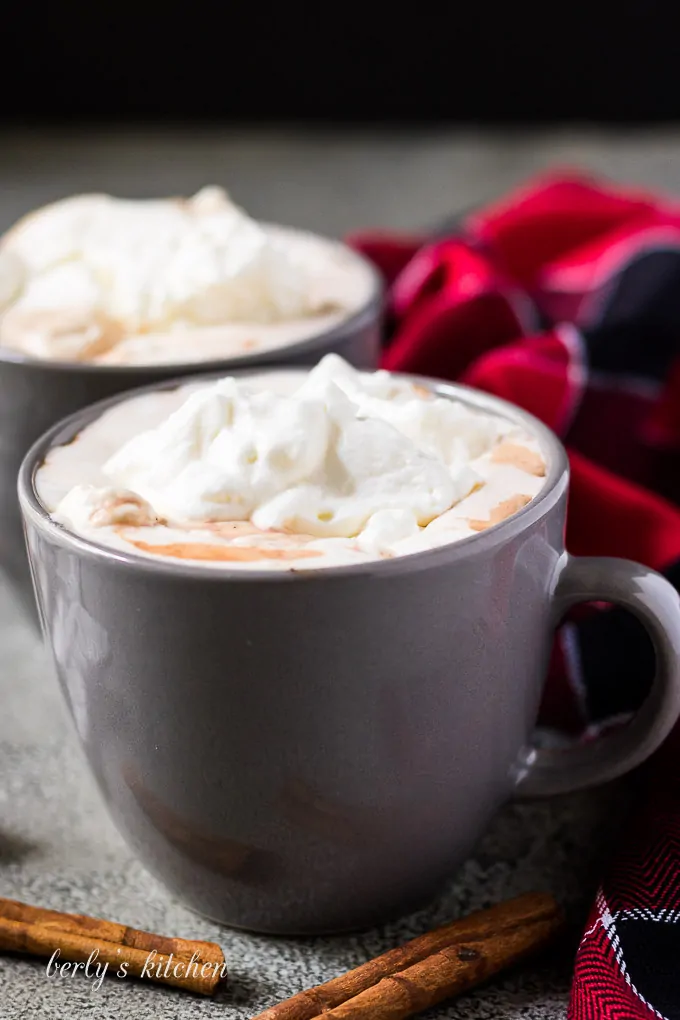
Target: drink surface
290 470
119 282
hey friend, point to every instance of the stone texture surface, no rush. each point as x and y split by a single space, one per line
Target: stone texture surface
57 846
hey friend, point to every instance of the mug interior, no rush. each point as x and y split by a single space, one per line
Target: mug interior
297 351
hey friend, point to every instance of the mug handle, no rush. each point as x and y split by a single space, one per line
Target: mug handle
542 772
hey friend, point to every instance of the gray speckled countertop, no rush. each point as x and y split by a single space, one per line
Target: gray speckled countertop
57 846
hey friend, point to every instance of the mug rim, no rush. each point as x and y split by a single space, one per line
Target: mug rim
254 359
65 430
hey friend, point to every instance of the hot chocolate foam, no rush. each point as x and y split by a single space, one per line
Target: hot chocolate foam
291 470
94 278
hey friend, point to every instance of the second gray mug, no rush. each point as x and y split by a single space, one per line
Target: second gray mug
313 752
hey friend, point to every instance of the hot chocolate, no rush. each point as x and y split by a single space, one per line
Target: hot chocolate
290 471
295 750
114 282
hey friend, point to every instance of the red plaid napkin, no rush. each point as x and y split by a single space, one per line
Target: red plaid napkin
565 298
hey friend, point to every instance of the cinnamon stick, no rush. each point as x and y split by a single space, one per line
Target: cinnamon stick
182 963
432 967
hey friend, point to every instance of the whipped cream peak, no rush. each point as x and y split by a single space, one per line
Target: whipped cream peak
343 455
149 264
223 453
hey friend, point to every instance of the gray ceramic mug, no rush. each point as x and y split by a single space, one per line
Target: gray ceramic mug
35 394
313 752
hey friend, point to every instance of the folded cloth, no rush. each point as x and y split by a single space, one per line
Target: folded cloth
565 299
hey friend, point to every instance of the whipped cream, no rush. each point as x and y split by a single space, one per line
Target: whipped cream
117 281
336 464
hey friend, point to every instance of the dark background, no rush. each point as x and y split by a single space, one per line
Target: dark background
482 62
